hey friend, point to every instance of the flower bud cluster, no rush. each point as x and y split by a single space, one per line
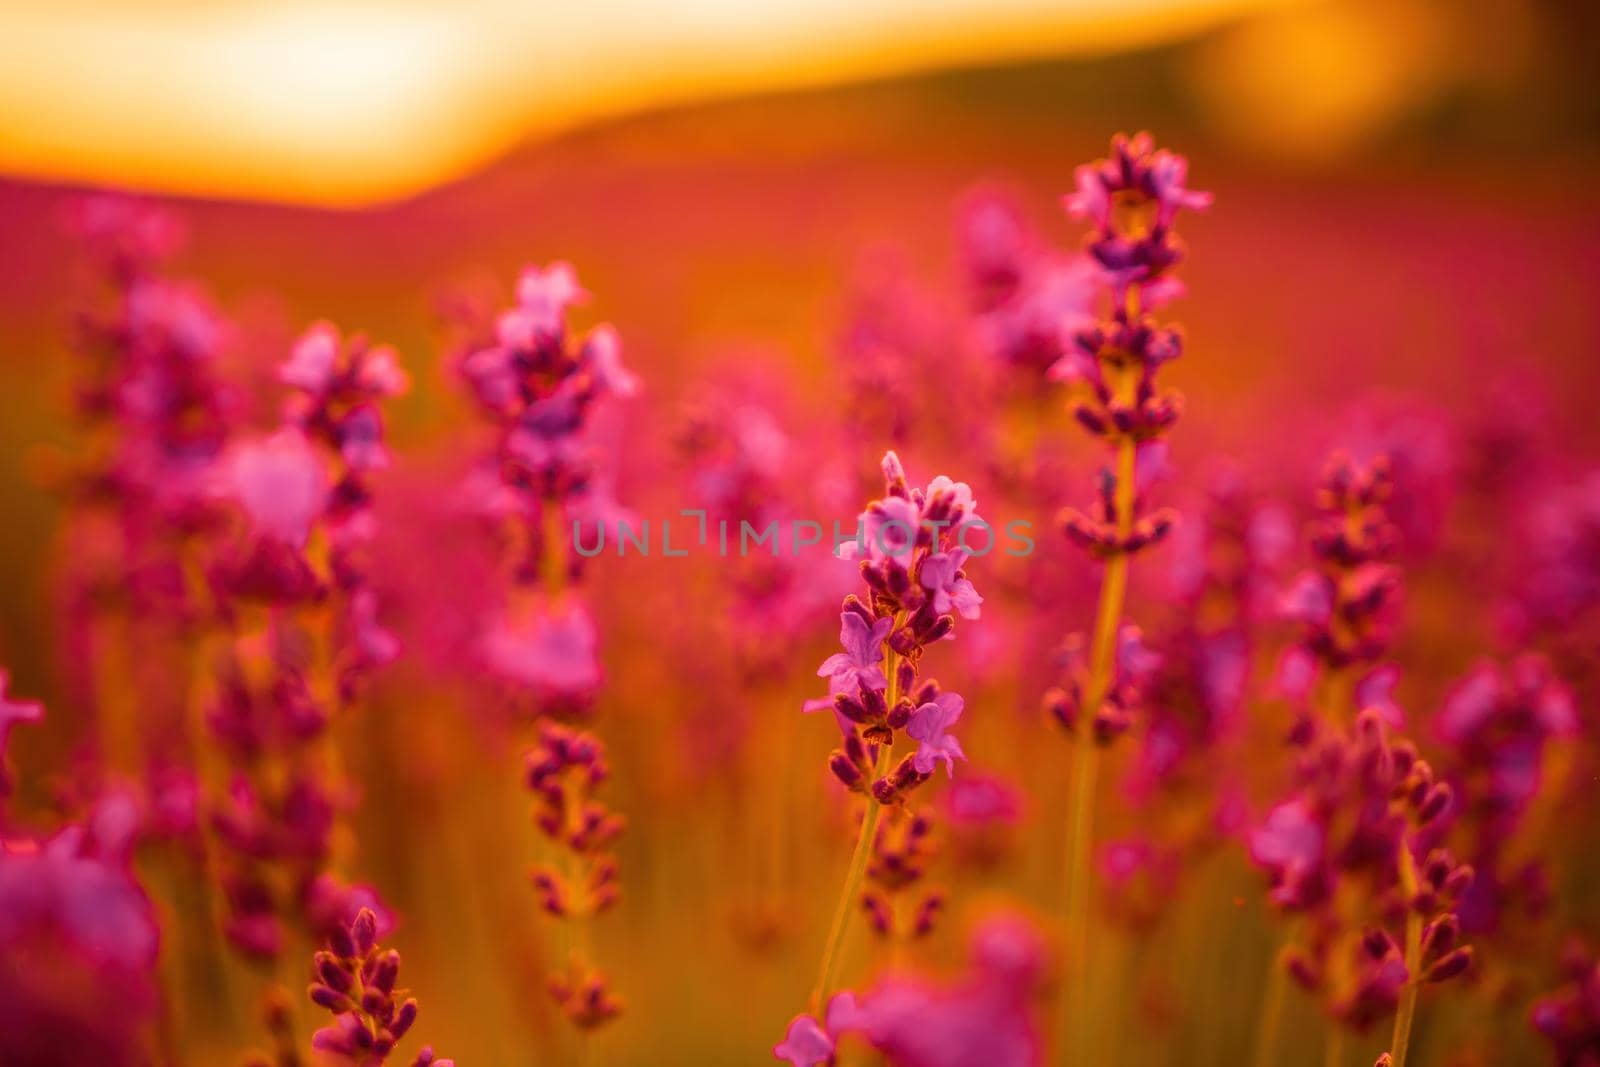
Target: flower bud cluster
563 772
1132 669
902 847
1347 602
355 979
916 585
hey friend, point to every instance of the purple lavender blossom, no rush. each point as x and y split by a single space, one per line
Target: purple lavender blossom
1132 198
554 651
280 483
928 725
1569 1018
806 1044
355 979
984 1019
1289 846
942 576
860 665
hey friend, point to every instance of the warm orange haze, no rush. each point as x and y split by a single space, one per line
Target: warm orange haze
820 534
351 102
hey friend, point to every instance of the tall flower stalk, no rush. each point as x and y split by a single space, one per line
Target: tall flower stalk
298 634
1354 851
1131 200
912 545
539 385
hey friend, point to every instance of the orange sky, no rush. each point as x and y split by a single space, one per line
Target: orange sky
349 102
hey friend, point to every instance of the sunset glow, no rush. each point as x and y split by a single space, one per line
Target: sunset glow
348 103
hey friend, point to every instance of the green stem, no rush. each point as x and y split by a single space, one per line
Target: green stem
858 859
846 905
1086 753
1408 995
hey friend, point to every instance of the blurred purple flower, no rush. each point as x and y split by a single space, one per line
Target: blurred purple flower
280 482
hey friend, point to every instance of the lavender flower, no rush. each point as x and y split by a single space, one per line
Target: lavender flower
873 682
355 979
1347 604
1029 299
1130 199
983 1019
860 665
1569 1018
1500 725
78 933
901 850
563 774
928 725
305 491
539 385
897 621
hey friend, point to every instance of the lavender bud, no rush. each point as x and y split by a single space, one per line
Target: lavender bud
1378 944
876 706
1435 804
387 971
403 1019
1459 881
331 973
1451 965
851 708
853 603
905 676
844 770
928 914
332 999
364 931
879 914
1440 935
1302 968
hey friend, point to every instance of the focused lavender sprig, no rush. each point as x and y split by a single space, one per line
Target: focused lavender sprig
911 546
1131 200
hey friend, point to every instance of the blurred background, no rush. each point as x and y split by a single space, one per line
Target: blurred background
722 169
1405 208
